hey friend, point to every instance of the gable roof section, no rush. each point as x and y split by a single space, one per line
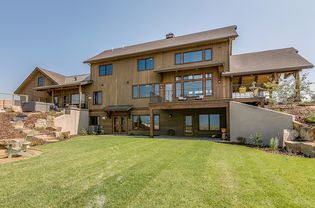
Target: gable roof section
210 35
57 79
279 60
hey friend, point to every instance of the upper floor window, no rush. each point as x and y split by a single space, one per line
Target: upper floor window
208 54
40 81
105 70
178 58
144 91
193 56
145 64
97 98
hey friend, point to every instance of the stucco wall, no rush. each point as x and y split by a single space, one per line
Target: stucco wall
73 122
246 120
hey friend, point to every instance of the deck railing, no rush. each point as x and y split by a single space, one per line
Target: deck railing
249 91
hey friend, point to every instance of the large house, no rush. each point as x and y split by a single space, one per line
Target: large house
180 85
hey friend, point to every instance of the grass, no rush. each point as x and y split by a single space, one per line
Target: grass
117 171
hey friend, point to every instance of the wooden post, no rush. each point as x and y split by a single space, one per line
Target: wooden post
297 86
151 123
80 96
52 96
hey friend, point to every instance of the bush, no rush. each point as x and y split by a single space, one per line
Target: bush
241 140
256 139
61 136
83 132
274 143
309 119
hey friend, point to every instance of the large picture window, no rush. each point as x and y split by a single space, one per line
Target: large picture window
144 91
105 70
194 85
193 56
156 122
141 122
209 122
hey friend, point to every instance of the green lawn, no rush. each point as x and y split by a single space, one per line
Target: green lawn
141 172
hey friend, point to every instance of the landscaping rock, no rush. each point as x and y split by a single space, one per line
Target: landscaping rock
306 148
19 124
307 134
41 123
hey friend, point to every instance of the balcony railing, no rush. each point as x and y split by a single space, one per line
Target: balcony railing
249 91
181 95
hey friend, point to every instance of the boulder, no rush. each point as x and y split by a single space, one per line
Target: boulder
41 123
307 134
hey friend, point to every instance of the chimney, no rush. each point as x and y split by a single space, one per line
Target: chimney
170 35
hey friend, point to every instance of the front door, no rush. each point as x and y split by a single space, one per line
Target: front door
188 125
120 124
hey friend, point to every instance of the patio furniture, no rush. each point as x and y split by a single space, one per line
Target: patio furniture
180 98
200 97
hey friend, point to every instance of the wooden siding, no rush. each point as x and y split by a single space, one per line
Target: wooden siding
117 88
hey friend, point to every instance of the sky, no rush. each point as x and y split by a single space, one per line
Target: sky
60 34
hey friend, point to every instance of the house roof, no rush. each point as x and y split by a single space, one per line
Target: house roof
197 65
58 80
210 35
279 60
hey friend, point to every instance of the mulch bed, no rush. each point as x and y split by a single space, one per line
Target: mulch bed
300 111
7 131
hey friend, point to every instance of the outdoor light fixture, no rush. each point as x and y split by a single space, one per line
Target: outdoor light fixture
170 115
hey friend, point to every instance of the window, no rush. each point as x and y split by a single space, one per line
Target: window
135 91
145 64
208 87
208 54
144 91
56 100
156 122
94 120
178 87
141 122
193 56
40 81
75 99
178 58
65 100
193 88
105 70
156 89
97 98
209 122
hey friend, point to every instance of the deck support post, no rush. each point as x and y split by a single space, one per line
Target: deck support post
52 96
80 96
151 123
297 86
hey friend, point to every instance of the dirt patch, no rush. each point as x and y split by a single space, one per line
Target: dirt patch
4 157
7 131
298 110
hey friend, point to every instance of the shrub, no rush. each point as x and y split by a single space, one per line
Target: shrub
256 139
83 132
241 140
274 143
61 136
309 119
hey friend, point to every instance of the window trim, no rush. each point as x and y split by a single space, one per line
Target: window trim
204 54
145 64
105 65
94 98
